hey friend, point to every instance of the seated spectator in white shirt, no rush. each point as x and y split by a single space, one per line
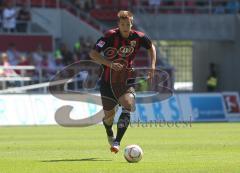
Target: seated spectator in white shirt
38 56
13 54
155 4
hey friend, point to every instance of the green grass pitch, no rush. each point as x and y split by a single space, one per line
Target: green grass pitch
202 148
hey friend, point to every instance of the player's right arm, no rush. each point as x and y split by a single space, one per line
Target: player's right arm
95 55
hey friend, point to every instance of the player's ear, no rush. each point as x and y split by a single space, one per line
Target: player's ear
131 23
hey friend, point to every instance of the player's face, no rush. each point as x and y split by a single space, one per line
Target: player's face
125 26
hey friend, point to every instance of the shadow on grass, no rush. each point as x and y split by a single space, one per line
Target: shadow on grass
78 160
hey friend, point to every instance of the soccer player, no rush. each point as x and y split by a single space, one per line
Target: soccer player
118 44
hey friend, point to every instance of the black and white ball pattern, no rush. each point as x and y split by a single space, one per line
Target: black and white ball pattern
133 153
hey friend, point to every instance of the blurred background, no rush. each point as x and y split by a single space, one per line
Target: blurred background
197 42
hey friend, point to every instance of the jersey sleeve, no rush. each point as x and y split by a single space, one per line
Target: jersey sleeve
101 44
145 42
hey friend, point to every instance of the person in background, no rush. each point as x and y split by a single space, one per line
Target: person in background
89 43
25 60
54 64
5 62
87 46
66 54
78 47
1 11
23 19
13 54
88 5
46 67
219 8
155 4
8 72
58 65
79 4
232 6
38 56
9 18
212 80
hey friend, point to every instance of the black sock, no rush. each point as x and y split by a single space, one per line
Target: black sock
122 125
108 128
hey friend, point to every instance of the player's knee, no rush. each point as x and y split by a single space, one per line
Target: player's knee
129 106
128 103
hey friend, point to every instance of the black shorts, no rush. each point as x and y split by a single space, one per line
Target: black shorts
110 98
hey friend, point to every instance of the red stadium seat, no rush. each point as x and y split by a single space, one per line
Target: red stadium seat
27 43
191 3
191 6
36 3
21 2
51 3
124 4
104 14
104 3
178 5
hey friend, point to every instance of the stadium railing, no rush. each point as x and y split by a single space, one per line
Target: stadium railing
9 75
22 82
18 79
31 28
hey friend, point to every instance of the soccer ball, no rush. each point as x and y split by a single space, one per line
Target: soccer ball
133 153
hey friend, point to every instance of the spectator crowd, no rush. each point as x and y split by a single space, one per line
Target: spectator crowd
14 19
46 64
162 6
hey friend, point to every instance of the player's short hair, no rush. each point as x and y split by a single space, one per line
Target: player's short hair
125 15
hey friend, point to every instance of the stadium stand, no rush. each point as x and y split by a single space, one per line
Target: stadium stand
96 14
107 8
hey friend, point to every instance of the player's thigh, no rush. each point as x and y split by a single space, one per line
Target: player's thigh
109 102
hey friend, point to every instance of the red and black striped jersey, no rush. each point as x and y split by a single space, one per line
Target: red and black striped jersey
114 46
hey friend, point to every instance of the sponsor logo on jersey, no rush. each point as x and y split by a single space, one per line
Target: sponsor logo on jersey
101 43
110 52
133 43
125 51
